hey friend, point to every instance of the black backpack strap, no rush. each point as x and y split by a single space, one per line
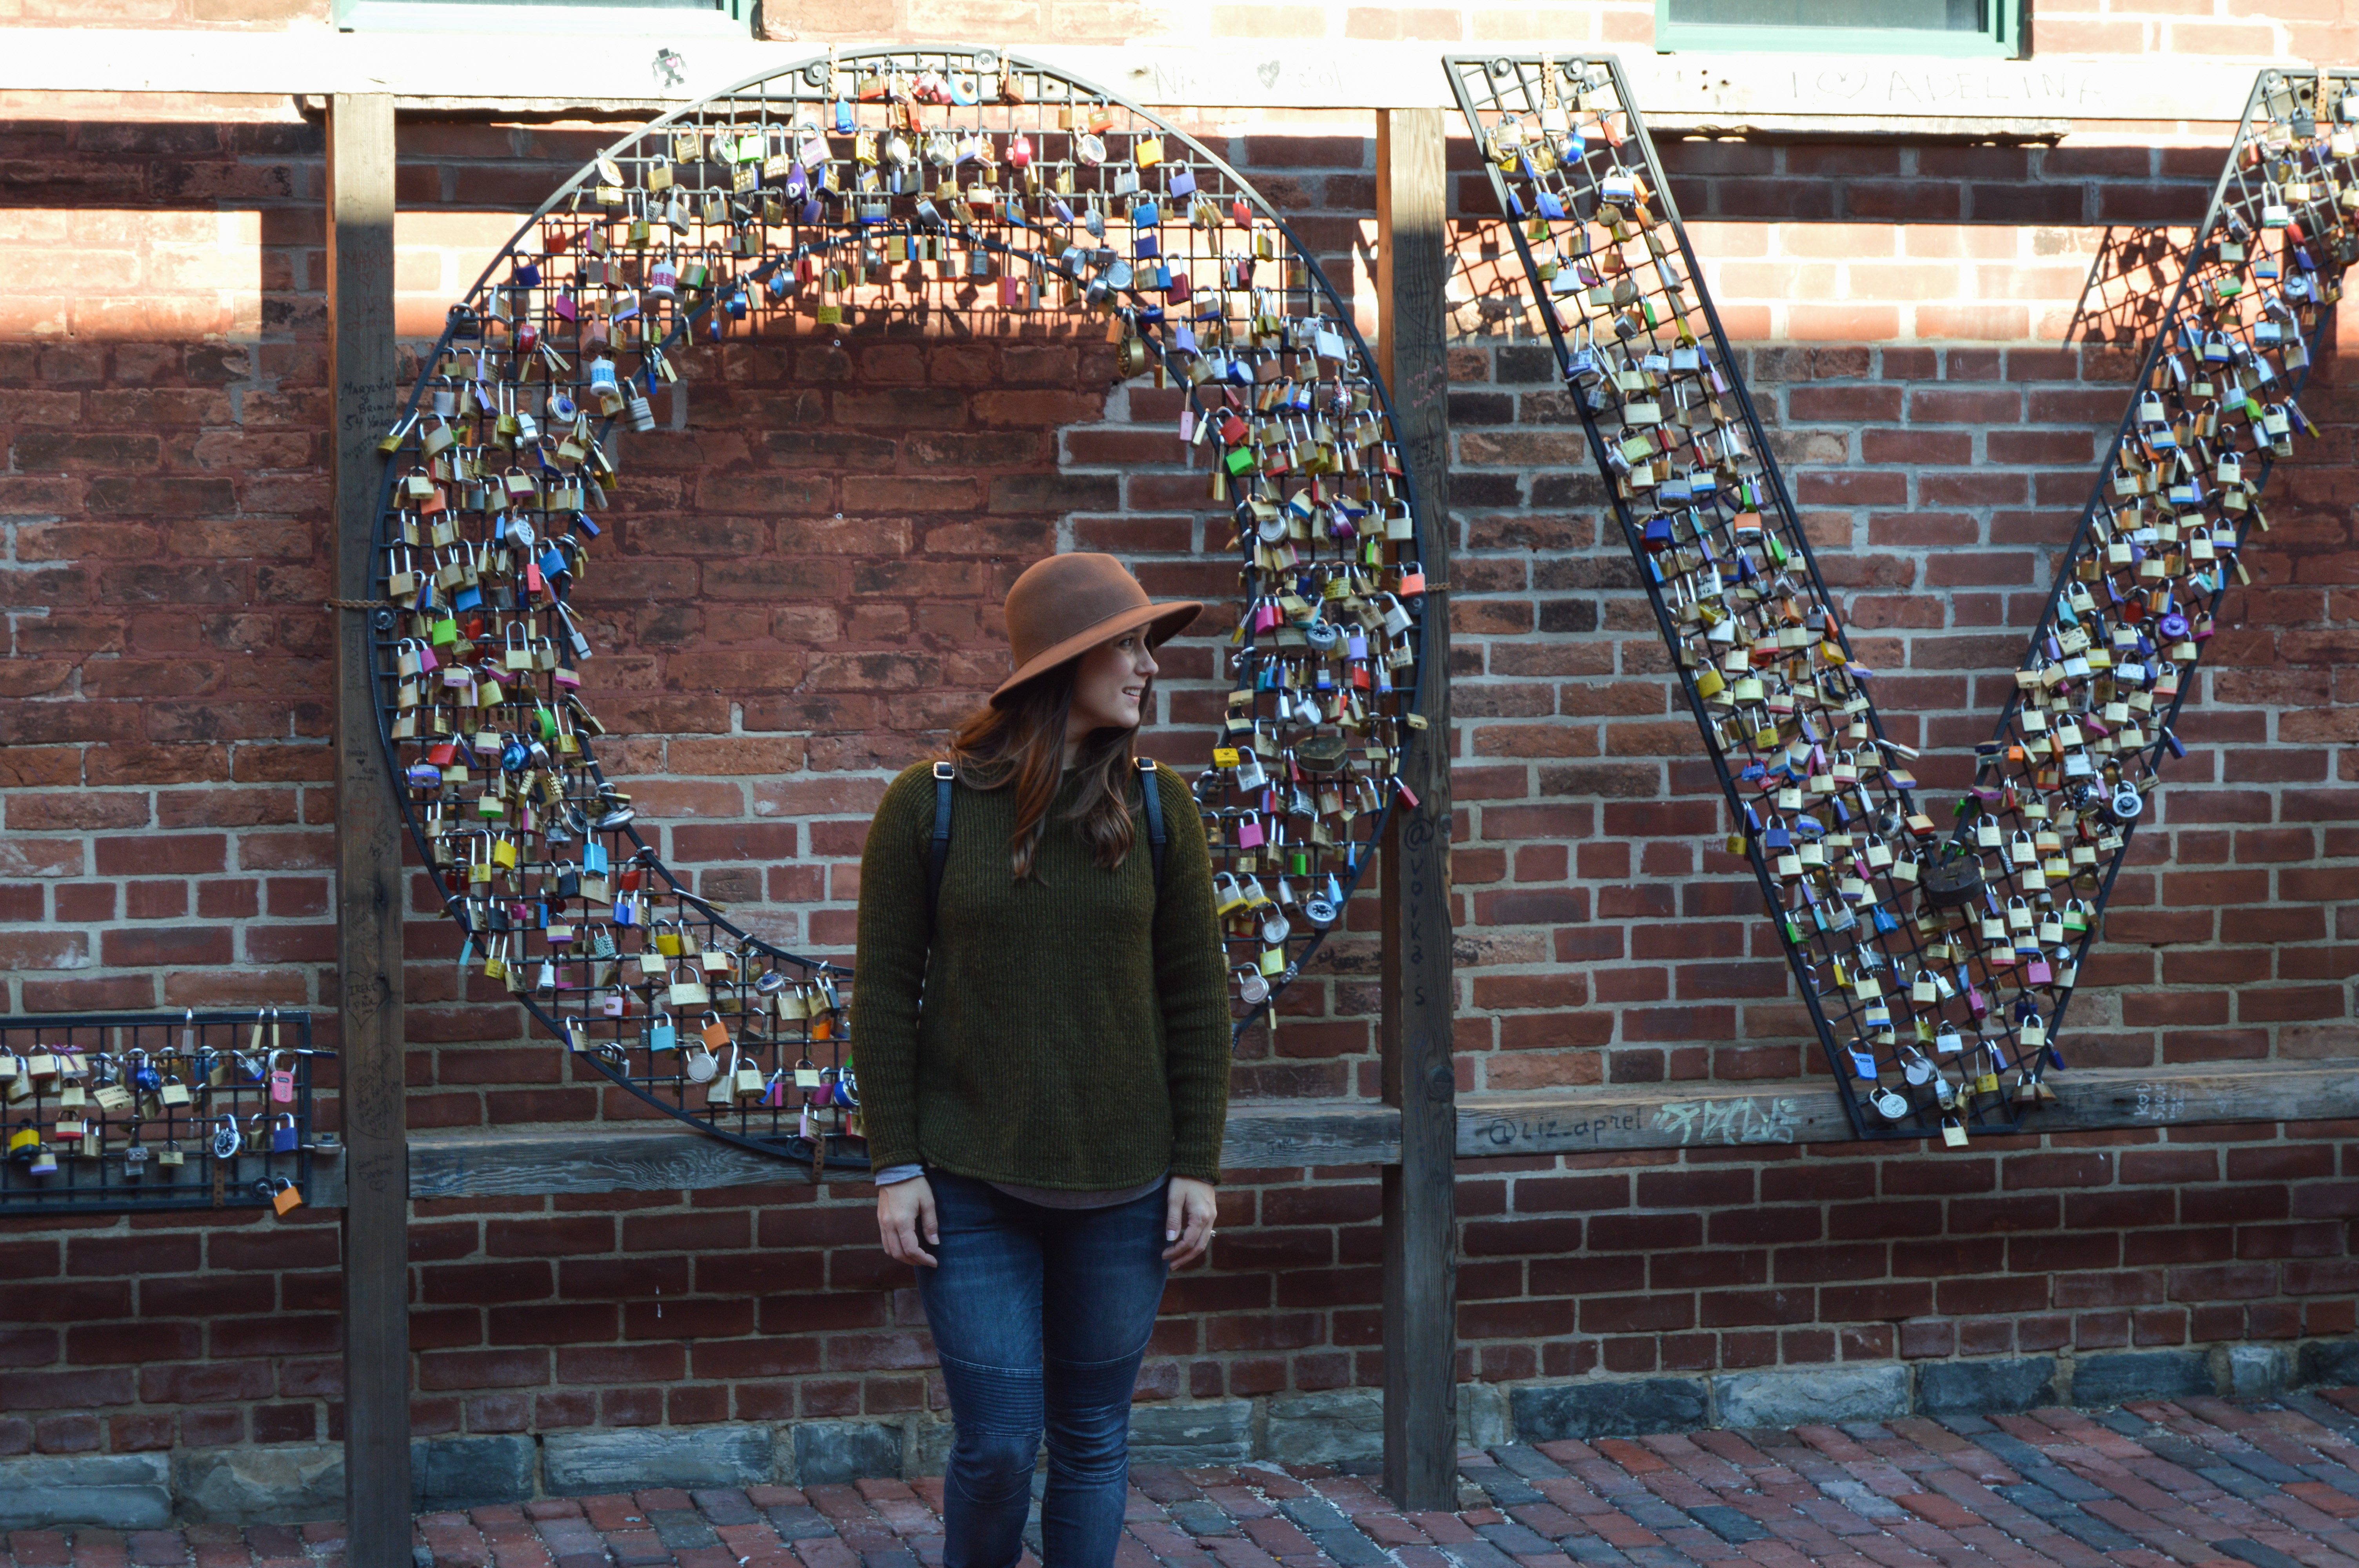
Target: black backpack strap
1152 788
944 775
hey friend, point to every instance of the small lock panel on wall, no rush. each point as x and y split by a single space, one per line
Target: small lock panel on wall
124 1113
928 186
1935 959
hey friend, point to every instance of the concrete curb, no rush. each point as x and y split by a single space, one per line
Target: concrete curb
290 1482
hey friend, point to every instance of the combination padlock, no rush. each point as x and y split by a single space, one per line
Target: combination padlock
227 1140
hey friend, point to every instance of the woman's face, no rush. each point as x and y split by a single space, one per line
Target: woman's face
1109 681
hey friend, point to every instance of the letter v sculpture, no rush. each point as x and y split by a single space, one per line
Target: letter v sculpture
1936 962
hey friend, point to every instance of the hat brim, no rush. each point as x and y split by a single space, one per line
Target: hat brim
1163 622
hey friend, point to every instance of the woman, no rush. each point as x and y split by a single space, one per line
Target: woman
1049 1122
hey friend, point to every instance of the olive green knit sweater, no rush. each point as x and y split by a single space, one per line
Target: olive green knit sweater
1076 1031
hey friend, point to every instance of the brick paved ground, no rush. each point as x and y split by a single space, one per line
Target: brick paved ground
2148 1485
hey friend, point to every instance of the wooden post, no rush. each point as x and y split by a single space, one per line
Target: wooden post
368 853
1420 1260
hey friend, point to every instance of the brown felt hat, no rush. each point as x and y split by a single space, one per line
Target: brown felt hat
1062 607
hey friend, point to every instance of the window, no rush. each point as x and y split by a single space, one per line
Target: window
1986 27
656 19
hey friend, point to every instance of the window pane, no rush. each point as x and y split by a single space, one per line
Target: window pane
1927 16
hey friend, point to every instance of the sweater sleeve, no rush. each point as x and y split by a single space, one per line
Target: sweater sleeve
896 928
1191 982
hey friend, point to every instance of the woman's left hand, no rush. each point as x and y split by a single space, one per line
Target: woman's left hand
1188 1208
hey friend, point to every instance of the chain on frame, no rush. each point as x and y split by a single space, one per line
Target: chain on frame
958 190
1934 968
119 1113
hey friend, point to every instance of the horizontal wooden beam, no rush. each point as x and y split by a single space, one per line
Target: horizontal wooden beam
1278 1134
517 1162
551 72
1681 1116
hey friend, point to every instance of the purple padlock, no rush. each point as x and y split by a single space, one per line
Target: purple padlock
2173 627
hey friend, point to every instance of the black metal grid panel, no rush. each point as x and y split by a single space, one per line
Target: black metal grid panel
1937 969
968 192
116 1113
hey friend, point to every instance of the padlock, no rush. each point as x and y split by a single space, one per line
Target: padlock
227 1140
284 1197
283 1139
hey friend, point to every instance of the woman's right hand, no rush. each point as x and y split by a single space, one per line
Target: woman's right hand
903 1211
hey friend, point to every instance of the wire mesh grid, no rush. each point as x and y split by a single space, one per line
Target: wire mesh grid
122 1113
961 192
1936 968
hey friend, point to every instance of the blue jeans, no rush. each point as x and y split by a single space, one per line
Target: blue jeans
1012 1277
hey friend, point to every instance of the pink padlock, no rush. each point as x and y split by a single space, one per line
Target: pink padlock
1249 833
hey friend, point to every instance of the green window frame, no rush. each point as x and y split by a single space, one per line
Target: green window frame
1999 38
653 19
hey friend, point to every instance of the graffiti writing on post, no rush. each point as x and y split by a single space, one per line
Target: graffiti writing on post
1729 1120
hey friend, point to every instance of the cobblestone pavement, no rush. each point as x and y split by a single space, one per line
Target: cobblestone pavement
2148 1485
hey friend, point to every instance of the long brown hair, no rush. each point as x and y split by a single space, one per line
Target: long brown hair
1023 744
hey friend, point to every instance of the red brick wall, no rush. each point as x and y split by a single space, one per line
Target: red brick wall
1905 310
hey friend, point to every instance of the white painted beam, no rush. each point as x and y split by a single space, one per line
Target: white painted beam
1791 92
